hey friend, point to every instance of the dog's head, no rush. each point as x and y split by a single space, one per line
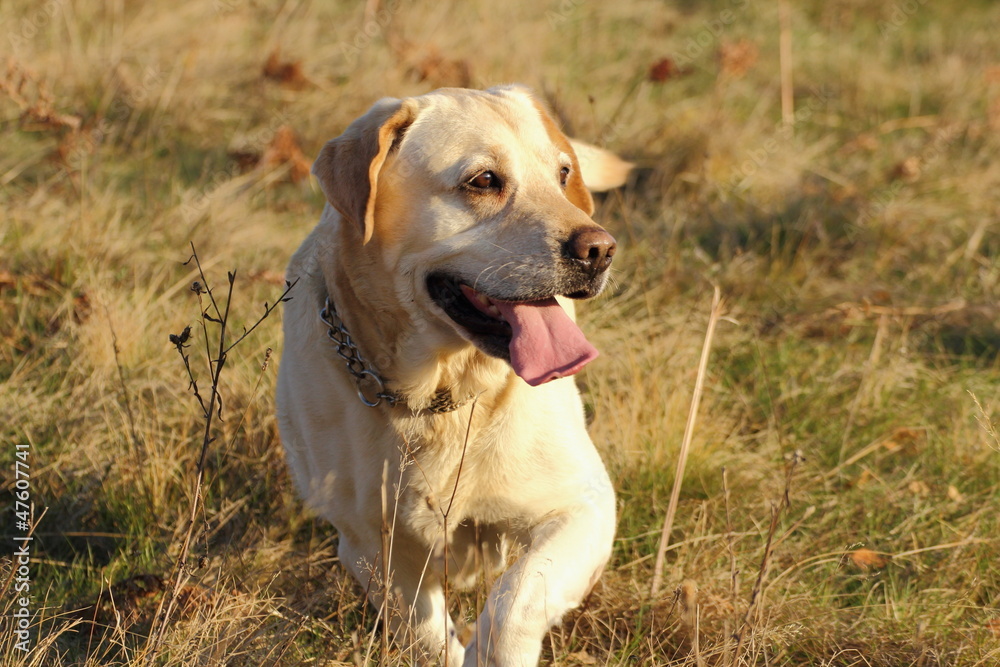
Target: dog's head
476 206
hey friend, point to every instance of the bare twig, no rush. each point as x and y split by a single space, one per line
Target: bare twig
268 309
668 521
210 411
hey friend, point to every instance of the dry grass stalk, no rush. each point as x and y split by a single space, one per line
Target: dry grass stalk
668 521
734 572
984 420
691 617
446 512
751 618
785 47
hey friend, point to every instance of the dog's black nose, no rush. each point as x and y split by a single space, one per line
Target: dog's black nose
593 248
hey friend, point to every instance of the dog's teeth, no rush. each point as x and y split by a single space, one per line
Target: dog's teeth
489 305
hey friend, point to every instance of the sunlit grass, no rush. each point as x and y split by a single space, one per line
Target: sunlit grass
856 248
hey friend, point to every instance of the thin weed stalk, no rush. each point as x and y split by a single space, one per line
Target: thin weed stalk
734 572
138 445
699 385
444 518
211 411
752 616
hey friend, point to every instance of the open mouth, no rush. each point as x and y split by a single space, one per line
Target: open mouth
474 312
536 336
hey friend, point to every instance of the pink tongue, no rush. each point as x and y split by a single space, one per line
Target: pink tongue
546 344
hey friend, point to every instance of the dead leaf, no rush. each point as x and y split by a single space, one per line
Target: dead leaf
994 625
581 658
427 63
994 114
992 74
33 97
123 604
737 58
245 160
908 170
904 439
919 488
192 599
663 69
868 559
907 433
284 149
863 479
882 297
73 146
266 276
33 284
892 446
955 494
288 74
81 307
866 141
37 119
842 193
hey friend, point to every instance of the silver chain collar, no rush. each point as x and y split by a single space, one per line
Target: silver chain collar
363 372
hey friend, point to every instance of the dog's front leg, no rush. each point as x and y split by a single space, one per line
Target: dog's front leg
566 555
415 611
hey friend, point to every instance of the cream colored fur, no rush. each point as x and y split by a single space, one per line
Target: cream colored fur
511 473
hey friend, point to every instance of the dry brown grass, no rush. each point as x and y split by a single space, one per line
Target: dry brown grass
856 248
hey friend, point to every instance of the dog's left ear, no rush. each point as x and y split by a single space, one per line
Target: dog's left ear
576 189
348 167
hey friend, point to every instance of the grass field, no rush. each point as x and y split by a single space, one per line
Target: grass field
841 501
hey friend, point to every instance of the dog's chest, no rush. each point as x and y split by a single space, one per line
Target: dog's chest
448 483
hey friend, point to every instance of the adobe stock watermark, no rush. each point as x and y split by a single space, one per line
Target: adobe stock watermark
23 510
118 112
710 33
756 159
562 13
257 140
224 6
932 152
899 15
27 28
373 27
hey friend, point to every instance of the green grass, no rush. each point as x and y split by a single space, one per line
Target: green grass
857 251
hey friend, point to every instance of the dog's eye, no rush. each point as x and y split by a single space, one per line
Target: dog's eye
564 175
487 180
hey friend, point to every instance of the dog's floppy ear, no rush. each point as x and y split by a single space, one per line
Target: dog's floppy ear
576 190
348 167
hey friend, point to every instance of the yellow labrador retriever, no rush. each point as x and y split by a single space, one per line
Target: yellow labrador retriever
424 398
